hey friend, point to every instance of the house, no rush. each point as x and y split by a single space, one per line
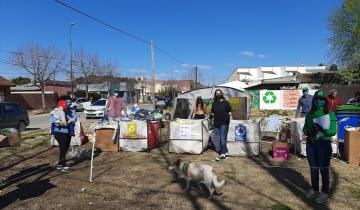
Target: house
264 73
5 86
60 88
179 86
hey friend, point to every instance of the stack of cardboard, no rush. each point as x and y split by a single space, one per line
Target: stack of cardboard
352 145
105 141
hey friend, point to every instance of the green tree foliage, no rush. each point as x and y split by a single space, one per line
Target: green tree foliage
345 39
21 80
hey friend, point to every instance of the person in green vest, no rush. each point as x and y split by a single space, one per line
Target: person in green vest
319 127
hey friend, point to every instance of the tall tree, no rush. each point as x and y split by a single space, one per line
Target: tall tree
40 62
108 72
85 65
345 38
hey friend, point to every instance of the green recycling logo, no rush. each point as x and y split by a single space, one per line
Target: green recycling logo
269 97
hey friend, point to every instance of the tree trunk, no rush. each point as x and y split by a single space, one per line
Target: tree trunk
87 90
43 98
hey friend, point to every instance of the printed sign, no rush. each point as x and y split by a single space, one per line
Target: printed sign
240 133
270 99
185 131
132 130
290 99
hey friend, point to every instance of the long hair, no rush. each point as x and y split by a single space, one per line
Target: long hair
221 94
201 102
325 108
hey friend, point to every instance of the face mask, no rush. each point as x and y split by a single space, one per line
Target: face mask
319 104
305 93
116 94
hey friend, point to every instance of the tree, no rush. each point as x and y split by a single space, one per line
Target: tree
108 72
21 80
345 39
85 65
40 62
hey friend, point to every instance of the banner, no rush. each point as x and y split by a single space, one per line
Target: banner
290 98
270 99
255 98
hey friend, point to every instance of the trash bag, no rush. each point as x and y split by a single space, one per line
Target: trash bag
214 140
142 114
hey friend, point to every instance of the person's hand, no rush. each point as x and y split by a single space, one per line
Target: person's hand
71 120
61 123
317 127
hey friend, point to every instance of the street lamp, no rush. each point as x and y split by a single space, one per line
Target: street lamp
71 61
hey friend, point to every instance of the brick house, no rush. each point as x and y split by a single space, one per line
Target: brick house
5 88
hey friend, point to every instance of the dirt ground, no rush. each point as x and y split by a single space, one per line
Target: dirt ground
124 180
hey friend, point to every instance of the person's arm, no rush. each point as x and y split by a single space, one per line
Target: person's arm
307 125
228 109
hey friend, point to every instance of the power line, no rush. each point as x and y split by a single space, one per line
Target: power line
118 29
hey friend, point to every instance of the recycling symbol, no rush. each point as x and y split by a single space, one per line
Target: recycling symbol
269 97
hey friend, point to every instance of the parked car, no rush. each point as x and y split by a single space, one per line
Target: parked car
96 109
80 104
13 115
162 102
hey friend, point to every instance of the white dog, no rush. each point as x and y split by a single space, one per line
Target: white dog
199 173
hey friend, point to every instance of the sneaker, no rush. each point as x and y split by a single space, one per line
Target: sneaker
58 167
323 197
226 154
221 157
66 167
311 194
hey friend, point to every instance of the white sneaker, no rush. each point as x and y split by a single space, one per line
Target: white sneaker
226 154
221 157
323 197
311 194
58 167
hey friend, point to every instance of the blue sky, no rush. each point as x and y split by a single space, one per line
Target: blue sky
215 35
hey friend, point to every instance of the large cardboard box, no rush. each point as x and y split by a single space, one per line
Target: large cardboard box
104 140
352 145
10 140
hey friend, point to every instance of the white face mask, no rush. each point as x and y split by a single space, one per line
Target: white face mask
116 94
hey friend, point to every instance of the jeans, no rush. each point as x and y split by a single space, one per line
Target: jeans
223 138
63 140
318 155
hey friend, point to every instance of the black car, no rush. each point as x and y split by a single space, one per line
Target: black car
13 115
162 102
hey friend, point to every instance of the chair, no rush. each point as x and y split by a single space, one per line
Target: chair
271 126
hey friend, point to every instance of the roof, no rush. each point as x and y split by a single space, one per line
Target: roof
281 80
58 83
5 82
235 84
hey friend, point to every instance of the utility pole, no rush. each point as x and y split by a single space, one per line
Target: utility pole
153 73
196 73
71 62
144 81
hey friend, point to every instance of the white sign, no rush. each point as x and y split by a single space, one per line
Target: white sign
270 99
185 131
133 145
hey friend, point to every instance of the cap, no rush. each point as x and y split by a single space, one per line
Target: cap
115 90
62 104
305 89
320 94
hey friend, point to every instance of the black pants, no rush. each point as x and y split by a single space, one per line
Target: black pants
63 140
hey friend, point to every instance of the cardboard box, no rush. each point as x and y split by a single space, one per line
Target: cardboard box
10 140
280 151
352 145
104 140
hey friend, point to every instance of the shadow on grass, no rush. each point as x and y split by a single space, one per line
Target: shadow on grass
294 180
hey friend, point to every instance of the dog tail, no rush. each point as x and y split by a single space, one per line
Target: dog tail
217 184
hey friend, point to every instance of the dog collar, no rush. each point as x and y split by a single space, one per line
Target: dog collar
184 167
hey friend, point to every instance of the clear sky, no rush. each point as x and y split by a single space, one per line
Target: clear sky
215 35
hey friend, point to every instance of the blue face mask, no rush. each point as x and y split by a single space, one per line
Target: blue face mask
319 104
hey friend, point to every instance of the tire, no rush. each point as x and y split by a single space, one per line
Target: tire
21 126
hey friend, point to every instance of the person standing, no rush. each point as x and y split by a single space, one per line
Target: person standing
221 110
318 144
199 112
61 131
304 103
115 105
332 100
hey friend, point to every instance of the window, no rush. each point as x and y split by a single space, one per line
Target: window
10 108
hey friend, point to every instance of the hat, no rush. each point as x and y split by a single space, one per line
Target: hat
199 97
62 104
305 89
115 90
320 94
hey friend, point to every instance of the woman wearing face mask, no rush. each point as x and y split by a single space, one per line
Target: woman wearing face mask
332 100
318 145
115 105
221 111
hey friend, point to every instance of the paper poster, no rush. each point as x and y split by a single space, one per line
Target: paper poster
132 130
240 133
290 99
323 121
185 131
